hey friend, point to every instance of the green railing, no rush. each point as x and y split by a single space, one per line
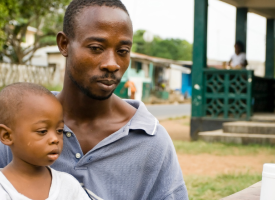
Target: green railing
227 94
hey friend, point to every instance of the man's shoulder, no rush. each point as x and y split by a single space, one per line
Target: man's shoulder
163 139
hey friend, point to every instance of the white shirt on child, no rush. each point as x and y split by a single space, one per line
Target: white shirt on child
238 59
63 187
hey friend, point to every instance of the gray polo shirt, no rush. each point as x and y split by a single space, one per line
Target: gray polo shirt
137 162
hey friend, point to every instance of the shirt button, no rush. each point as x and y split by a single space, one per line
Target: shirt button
78 155
68 134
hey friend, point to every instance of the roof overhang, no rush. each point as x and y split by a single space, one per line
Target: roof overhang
160 62
265 8
180 68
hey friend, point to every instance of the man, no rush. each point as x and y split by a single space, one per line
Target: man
116 149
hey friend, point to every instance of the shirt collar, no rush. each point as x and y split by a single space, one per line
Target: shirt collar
143 119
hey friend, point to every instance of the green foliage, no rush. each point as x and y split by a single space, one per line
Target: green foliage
17 15
57 88
174 49
220 149
214 188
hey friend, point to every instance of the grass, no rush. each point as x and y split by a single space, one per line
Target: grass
49 87
220 149
212 188
54 88
177 118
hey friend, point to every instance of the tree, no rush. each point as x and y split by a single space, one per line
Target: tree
15 18
175 49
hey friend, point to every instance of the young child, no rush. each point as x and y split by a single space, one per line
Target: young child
31 124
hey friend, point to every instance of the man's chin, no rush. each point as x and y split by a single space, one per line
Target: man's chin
88 91
95 96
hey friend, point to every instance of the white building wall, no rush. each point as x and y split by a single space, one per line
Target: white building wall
175 79
60 61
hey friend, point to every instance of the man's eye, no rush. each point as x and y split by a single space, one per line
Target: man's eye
123 52
97 49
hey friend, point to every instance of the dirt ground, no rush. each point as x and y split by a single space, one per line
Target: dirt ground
178 129
211 165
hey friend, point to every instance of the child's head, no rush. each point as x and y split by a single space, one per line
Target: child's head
31 123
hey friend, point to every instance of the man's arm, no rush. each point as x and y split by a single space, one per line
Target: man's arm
5 155
169 184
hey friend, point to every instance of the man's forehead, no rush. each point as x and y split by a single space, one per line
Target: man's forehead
94 15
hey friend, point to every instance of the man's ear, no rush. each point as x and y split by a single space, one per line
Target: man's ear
62 43
6 135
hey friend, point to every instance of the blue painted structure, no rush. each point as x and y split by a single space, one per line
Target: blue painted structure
186 85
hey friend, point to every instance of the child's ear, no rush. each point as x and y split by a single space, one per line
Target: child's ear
6 135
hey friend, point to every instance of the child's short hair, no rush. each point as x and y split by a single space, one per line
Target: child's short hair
11 99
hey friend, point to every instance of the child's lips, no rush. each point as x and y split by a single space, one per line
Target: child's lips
54 154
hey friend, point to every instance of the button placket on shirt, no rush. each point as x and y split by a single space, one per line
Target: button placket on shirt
78 155
69 135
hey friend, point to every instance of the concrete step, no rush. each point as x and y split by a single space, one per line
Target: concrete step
237 138
249 127
263 117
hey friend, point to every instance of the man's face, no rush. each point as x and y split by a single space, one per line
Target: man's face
99 54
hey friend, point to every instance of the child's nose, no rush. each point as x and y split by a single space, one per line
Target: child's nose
54 139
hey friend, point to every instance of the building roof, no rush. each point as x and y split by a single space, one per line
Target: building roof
159 61
265 8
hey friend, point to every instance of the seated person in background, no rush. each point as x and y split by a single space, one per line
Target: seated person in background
31 124
238 60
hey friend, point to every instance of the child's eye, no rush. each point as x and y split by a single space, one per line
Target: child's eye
60 131
42 132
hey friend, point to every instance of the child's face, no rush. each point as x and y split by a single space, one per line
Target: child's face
37 132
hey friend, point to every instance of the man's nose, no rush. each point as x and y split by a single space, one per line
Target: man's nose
110 64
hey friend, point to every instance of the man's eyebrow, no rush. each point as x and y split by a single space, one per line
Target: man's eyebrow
98 39
126 42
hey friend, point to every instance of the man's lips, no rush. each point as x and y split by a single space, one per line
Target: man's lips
54 154
107 84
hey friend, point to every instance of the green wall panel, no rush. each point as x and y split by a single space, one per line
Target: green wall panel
241 25
121 91
199 56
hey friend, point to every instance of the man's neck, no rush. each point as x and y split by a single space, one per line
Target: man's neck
83 114
80 107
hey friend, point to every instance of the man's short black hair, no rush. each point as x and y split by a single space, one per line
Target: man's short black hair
75 8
